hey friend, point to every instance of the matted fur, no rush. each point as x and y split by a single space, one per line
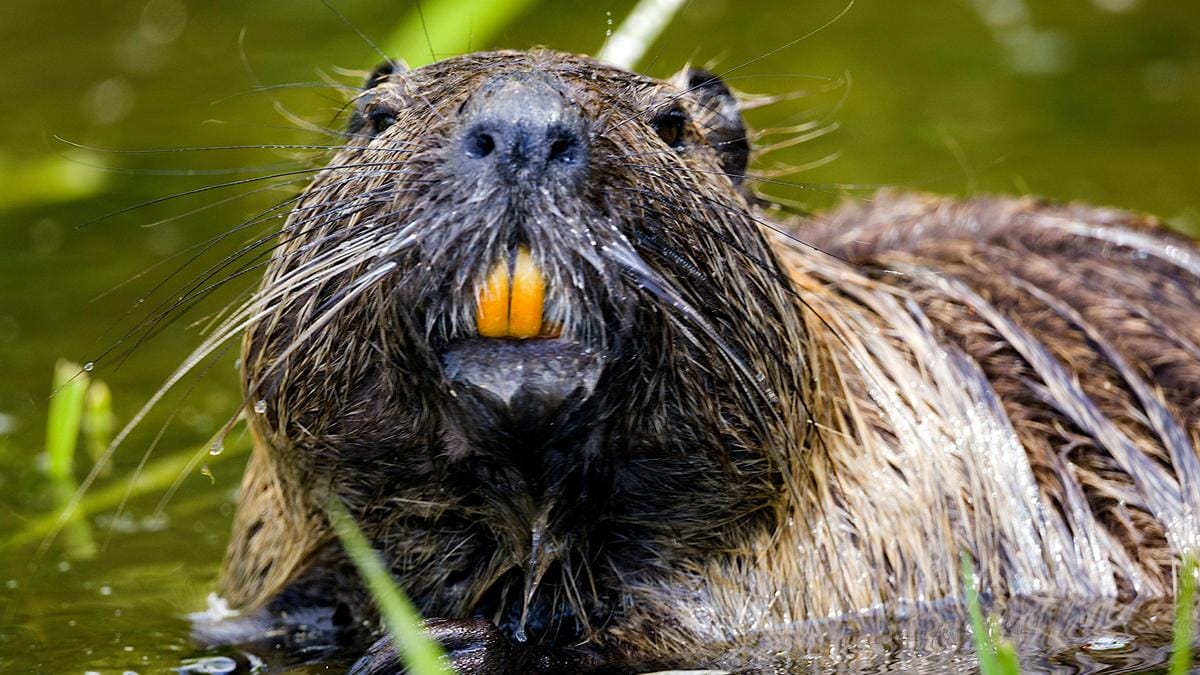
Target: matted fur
809 419
990 384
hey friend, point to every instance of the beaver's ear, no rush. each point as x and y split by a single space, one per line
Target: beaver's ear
382 71
720 117
378 118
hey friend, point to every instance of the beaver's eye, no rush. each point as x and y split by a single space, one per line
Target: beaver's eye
380 118
669 126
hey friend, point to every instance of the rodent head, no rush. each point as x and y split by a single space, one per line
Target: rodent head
529 282
539 151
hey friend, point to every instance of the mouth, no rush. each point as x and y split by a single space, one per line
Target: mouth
519 361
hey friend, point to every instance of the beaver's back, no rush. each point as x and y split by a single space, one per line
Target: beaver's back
1086 322
1005 378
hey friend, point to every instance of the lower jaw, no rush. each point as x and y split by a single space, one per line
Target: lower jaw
551 369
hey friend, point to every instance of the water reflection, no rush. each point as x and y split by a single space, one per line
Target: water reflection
1059 636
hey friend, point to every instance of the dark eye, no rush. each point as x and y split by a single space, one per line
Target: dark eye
380 118
669 126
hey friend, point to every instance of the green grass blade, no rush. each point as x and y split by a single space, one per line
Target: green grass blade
99 422
1006 659
77 540
421 655
1185 598
984 649
63 419
996 655
450 27
155 477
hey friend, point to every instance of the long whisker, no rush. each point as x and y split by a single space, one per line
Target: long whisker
395 145
352 291
137 472
236 183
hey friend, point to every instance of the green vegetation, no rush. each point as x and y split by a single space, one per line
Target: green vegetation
422 656
996 655
1185 610
99 422
63 421
441 28
155 477
49 179
81 404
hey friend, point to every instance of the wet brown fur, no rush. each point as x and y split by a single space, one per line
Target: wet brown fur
878 400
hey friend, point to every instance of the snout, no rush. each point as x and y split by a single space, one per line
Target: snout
524 381
523 130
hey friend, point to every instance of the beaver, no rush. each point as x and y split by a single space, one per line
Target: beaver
601 408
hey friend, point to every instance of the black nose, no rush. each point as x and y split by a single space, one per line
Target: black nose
523 128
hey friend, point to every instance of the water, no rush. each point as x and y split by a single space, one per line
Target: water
1090 99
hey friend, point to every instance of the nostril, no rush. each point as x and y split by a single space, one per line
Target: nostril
479 144
564 148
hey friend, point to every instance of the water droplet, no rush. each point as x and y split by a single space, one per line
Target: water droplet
89 366
260 406
64 566
106 590
217 448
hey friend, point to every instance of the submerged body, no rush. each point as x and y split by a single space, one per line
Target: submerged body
696 423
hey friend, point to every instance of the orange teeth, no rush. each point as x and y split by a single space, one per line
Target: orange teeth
528 297
491 310
511 304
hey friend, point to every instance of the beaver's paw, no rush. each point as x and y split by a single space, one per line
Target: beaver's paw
477 647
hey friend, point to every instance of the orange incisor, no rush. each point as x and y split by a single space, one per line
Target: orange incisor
511 302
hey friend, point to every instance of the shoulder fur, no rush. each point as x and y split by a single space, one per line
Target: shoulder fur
277 532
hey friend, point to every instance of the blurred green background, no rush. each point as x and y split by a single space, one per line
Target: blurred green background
1096 100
